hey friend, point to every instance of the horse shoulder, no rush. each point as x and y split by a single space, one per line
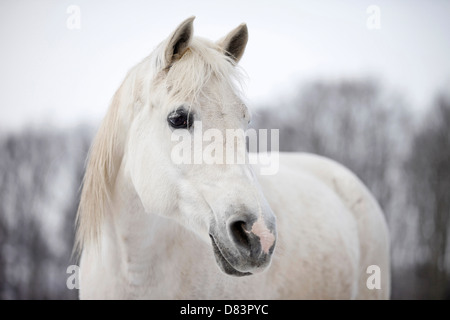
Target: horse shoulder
373 233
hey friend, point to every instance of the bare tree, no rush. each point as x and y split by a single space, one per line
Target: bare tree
40 172
429 182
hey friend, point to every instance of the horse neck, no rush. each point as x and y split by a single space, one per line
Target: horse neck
145 246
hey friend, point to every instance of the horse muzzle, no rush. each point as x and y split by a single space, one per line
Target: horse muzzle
244 245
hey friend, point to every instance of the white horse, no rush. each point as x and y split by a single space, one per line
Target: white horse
150 228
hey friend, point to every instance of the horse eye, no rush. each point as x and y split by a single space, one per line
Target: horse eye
180 119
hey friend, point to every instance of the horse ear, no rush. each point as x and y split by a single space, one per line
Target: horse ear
179 41
235 42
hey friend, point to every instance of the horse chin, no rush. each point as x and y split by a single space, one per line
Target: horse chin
224 265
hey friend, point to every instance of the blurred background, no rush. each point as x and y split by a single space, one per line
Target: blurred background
366 83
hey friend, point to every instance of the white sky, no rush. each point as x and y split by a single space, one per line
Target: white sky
50 74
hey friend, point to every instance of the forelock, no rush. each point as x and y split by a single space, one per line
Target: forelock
203 64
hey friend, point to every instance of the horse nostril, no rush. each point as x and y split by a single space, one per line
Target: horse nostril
239 233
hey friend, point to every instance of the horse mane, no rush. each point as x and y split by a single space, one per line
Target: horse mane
183 80
101 170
